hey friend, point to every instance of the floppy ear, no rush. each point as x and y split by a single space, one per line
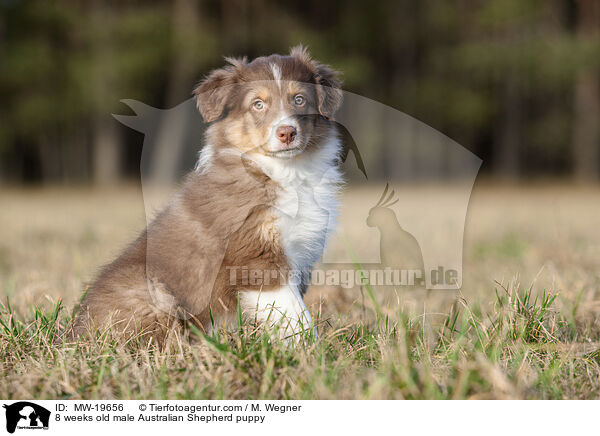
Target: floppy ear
328 90
327 81
212 92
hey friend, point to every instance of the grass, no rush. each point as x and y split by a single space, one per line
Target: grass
491 340
524 349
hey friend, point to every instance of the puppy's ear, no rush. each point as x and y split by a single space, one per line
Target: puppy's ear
327 81
329 90
212 93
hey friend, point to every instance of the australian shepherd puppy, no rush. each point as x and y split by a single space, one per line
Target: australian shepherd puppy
249 223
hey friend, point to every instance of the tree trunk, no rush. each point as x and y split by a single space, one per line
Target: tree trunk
586 106
170 138
107 151
50 157
506 155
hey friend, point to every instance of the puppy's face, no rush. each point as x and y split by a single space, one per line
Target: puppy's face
277 117
277 105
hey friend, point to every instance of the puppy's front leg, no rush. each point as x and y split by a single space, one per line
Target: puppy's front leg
283 307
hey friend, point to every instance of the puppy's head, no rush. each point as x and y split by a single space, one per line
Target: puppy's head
278 105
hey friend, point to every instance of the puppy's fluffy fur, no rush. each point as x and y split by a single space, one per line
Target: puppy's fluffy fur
262 197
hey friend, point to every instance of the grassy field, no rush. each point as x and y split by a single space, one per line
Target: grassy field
524 325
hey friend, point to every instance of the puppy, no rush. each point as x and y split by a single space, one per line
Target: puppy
249 223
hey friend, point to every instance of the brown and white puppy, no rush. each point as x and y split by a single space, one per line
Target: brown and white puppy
262 199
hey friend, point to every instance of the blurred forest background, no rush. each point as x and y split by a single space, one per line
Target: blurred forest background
515 81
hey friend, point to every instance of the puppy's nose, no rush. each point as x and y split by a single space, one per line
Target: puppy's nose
286 134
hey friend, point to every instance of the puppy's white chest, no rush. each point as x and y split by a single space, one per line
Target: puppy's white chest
307 204
306 215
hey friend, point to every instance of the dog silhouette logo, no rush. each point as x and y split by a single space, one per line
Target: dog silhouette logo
26 415
423 233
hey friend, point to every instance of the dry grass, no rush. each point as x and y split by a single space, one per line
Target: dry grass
524 325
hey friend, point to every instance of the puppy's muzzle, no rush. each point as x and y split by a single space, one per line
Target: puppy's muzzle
286 135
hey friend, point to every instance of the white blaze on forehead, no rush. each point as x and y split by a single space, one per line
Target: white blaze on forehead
276 74
283 116
284 119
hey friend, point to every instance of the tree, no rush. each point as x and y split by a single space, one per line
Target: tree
586 108
107 149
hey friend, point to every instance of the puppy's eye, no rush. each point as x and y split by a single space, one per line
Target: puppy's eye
299 100
258 104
